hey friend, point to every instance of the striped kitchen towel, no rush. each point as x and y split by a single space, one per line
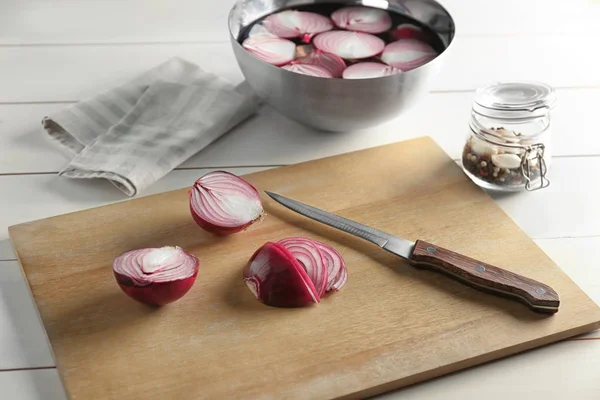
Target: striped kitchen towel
136 133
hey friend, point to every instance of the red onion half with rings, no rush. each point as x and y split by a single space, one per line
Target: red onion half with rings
349 45
334 64
407 54
272 50
223 203
293 24
362 19
311 70
156 276
366 70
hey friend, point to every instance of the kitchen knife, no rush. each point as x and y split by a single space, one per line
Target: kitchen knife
538 296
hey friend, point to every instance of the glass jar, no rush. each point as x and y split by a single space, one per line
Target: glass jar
509 144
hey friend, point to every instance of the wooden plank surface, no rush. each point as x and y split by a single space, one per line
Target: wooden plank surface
387 354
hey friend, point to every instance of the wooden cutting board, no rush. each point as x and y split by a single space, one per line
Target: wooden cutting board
391 325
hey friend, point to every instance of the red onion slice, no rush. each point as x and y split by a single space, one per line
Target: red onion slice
156 276
337 274
365 70
407 54
292 24
407 31
311 258
270 49
363 19
349 45
224 203
311 70
334 64
277 279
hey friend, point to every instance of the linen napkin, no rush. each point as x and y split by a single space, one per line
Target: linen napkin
134 134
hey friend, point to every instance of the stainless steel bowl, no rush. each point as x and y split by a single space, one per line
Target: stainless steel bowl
339 104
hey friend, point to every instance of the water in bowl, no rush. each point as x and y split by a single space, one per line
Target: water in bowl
341 41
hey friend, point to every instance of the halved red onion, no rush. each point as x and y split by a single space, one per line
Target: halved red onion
311 70
277 279
406 31
311 258
407 54
271 49
366 70
292 24
363 19
224 203
156 276
334 64
349 45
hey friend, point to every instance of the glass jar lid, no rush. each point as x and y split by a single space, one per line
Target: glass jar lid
514 100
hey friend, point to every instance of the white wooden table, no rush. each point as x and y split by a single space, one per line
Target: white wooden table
53 53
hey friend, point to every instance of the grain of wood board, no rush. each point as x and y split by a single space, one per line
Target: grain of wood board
390 326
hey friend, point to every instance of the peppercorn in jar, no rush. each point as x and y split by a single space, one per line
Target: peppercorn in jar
509 144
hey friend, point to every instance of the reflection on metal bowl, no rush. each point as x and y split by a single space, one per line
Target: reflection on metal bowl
339 104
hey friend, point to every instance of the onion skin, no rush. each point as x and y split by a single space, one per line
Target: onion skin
333 63
156 294
221 229
277 279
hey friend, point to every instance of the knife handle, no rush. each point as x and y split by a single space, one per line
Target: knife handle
486 277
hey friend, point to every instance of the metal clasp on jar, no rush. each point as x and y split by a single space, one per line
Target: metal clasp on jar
533 161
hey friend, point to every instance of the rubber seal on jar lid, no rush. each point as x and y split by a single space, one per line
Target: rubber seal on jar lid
514 100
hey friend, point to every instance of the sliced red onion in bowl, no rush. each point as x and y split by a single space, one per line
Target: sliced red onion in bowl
271 49
407 54
311 70
293 24
156 276
349 45
223 203
334 64
311 258
277 279
362 19
406 31
366 70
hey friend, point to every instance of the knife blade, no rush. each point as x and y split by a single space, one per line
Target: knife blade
477 274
